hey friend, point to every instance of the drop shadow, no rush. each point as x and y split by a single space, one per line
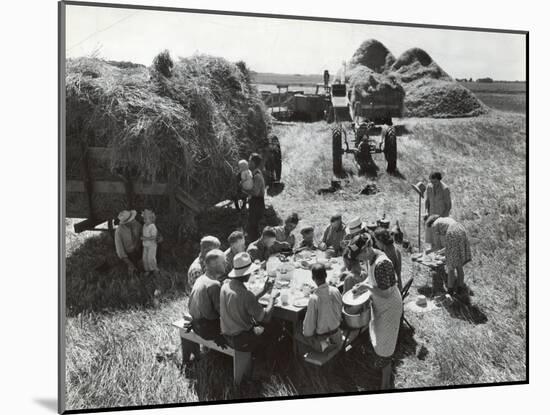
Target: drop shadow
48 403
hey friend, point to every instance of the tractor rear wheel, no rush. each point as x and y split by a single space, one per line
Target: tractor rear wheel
337 152
330 114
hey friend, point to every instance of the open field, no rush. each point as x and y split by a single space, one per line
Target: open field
112 354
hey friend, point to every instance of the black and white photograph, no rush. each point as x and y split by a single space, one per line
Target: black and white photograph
265 207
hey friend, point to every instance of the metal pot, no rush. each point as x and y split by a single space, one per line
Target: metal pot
356 321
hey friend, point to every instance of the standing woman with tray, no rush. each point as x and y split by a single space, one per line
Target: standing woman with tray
386 303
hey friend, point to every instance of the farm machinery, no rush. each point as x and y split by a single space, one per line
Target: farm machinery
368 120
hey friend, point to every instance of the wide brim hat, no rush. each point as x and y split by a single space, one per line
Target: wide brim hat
126 216
351 299
242 265
419 306
355 225
420 188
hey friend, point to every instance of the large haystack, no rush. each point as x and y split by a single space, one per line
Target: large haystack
375 75
430 91
186 125
369 86
415 63
374 55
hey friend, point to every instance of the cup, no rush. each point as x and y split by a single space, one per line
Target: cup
284 297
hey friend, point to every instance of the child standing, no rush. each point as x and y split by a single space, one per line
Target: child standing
149 239
245 176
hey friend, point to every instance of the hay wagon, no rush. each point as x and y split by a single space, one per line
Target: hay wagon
147 137
96 194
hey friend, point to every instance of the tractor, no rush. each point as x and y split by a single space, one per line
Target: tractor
364 120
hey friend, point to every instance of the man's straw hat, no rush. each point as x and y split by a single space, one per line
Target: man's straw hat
126 216
420 188
355 225
242 265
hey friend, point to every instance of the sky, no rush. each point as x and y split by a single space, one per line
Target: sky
282 45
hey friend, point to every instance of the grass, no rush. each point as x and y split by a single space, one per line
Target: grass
112 354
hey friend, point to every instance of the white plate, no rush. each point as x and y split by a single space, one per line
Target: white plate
301 302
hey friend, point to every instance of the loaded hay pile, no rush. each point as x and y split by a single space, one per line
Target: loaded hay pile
414 78
367 85
185 123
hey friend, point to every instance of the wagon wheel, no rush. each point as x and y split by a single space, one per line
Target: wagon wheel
337 151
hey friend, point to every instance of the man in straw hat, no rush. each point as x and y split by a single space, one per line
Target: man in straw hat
321 327
204 300
128 243
197 267
355 227
240 309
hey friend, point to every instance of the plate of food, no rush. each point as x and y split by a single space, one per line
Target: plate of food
300 302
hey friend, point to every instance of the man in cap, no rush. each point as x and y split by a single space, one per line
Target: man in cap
236 246
308 241
240 309
284 232
333 235
321 326
128 240
256 197
266 246
197 267
204 300
438 201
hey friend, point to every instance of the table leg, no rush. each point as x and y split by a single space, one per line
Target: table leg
295 328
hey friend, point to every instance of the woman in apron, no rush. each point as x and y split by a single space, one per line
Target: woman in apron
386 304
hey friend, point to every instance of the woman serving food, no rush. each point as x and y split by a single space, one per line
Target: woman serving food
386 302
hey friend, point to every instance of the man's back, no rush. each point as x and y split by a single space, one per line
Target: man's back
324 310
127 238
204 300
238 308
438 199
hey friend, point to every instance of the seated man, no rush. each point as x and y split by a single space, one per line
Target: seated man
355 227
128 240
284 232
266 246
333 235
204 300
321 326
308 241
236 246
197 267
240 309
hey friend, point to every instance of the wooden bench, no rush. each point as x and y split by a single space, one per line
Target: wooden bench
190 345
